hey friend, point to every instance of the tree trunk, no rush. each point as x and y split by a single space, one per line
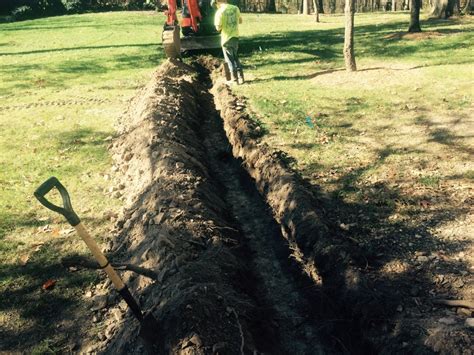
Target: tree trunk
320 6
414 16
438 8
452 8
466 8
271 7
316 10
305 7
349 57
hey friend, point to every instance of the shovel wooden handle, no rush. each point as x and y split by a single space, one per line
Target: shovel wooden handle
99 256
109 270
67 211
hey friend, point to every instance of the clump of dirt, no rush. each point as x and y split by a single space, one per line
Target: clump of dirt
369 78
417 36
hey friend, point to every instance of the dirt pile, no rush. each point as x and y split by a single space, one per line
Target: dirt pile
224 283
174 224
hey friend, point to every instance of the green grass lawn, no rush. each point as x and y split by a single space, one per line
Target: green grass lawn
64 82
411 96
405 118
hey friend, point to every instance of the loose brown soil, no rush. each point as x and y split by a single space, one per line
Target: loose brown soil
244 255
417 36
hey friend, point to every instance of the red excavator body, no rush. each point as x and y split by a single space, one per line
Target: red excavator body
195 30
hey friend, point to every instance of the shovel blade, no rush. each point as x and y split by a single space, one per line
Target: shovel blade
149 329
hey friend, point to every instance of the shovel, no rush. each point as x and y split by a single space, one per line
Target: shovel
149 329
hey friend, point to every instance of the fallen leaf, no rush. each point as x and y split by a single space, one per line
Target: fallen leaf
425 203
23 260
37 246
55 232
49 285
67 231
324 140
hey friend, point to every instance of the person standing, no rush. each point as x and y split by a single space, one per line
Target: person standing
227 20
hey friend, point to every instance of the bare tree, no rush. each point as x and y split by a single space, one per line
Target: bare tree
415 16
466 7
349 57
316 10
305 7
443 8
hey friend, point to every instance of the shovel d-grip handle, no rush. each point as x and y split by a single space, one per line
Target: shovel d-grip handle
74 220
66 210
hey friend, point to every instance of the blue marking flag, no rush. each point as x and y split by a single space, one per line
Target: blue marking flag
309 122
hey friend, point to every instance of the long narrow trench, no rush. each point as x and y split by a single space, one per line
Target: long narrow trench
305 320
275 287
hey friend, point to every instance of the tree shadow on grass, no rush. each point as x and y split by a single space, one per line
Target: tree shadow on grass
82 137
60 72
81 48
400 258
327 45
441 134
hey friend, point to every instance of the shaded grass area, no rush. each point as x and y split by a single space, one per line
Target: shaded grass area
65 80
37 316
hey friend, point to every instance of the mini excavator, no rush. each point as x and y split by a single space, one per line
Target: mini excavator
196 27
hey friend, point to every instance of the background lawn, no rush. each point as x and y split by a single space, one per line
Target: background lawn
64 82
396 133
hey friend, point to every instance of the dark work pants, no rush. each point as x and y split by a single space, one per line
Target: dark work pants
231 56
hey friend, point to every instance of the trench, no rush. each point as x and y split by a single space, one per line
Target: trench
303 320
228 279
272 286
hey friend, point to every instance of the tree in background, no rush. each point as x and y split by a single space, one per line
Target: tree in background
305 7
271 7
444 8
349 56
466 7
316 10
415 16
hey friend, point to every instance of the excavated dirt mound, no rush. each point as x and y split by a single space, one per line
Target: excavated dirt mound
192 217
175 225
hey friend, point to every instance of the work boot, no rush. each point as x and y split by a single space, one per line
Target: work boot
235 77
240 76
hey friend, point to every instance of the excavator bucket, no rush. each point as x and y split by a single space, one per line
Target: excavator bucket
171 40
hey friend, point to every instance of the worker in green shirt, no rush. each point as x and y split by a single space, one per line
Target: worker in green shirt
227 22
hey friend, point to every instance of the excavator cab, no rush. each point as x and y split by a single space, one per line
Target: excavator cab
195 31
